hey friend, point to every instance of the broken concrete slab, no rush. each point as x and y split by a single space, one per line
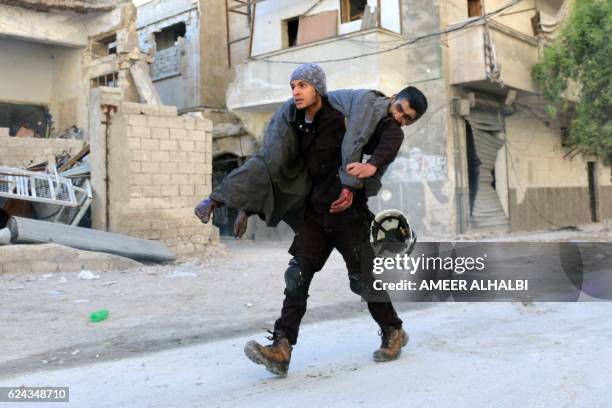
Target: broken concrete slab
52 258
144 84
25 231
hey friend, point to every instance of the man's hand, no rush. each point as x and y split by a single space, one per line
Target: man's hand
240 225
205 209
361 170
344 201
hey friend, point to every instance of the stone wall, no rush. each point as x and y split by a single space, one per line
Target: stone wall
23 151
158 167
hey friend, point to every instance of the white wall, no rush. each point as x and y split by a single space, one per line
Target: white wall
47 75
26 70
268 35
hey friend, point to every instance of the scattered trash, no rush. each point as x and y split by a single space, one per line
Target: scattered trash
81 301
55 293
248 304
98 316
181 274
109 283
75 352
17 287
72 132
47 275
63 279
88 275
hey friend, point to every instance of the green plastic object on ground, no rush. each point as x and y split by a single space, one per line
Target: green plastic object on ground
98 316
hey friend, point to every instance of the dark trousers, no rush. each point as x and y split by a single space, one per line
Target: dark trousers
321 233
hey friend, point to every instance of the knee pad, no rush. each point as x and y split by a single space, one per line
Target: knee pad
297 279
356 284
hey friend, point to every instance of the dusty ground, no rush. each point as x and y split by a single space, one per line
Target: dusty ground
459 355
232 290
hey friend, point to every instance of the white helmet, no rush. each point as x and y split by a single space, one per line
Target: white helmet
391 226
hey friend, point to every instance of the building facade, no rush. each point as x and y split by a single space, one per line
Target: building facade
484 157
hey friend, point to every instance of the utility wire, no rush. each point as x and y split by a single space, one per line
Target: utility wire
413 41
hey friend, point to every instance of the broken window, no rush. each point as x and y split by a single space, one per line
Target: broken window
352 10
168 37
105 80
23 117
474 8
290 34
104 46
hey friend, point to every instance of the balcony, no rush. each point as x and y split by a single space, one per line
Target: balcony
263 81
472 58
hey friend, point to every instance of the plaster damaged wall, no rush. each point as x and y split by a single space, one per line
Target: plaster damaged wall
182 91
543 185
48 59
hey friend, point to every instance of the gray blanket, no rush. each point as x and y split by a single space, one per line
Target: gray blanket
275 183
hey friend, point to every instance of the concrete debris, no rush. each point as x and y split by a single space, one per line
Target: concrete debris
88 275
144 84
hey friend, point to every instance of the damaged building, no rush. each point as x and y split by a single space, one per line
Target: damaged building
76 83
484 158
188 43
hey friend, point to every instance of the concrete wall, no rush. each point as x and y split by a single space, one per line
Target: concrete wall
545 188
159 167
214 69
23 151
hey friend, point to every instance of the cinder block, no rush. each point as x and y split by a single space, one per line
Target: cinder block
187 168
157 121
148 109
166 110
161 179
130 108
178 134
143 132
160 133
142 203
160 156
142 179
187 190
135 191
186 145
204 124
168 144
168 168
151 191
151 167
138 120
179 179
189 122
135 167
175 122
169 190
150 144
196 157
134 142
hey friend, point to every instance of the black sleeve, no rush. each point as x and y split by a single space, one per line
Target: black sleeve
384 143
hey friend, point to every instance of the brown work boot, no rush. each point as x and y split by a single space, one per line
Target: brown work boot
392 342
275 357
